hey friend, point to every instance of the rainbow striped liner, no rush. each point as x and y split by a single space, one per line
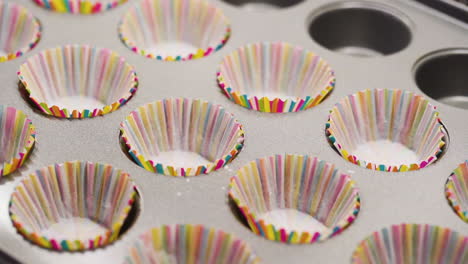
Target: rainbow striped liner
189 244
181 124
74 71
413 244
20 31
275 77
383 114
303 183
76 189
456 190
79 6
156 28
17 138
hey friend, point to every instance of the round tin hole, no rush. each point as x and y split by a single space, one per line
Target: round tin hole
360 28
442 76
262 5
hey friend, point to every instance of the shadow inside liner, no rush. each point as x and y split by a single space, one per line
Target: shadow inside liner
330 93
237 213
132 215
125 149
446 139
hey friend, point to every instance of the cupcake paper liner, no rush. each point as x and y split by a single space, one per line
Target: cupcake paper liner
391 117
59 81
59 196
79 6
413 244
17 138
456 190
174 30
182 126
302 184
189 244
275 77
20 31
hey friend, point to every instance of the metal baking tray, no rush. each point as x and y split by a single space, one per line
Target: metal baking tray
387 198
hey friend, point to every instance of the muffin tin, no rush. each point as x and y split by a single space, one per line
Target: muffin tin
386 198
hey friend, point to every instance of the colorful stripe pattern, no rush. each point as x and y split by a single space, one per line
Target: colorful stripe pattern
304 183
195 22
20 31
58 192
395 115
413 244
75 70
189 244
259 76
456 190
17 137
79 6
182 124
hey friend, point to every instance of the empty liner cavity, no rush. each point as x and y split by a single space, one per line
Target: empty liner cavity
295 199
411 244
442 76
72 206
182 137
79 6
275 77
189 244
360 28
456 190
174 30
17 138
20 31
263 5
78 81
386 130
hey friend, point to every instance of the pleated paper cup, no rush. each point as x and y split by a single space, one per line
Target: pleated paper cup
76 81
413 244
20 31
295 199
174 30
275 77
73 206
182 137
456 190
79 6
189 244
17 138
386 130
